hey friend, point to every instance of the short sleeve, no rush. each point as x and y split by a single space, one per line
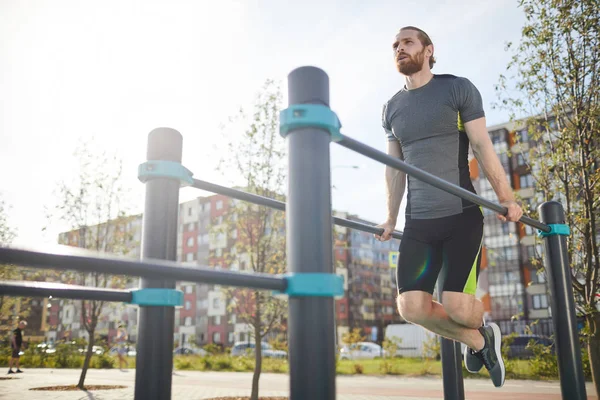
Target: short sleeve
467 100
386 125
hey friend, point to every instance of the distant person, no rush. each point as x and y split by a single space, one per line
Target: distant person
121 341
16 342
430 123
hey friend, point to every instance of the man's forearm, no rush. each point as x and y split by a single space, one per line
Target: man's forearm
494 172
395 185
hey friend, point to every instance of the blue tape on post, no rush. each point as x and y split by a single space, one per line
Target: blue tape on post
555 229
157 297
309 116
314 285
165 169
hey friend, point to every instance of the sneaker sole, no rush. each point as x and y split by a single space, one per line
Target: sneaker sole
497 345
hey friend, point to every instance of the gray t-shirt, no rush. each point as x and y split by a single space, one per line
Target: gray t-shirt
428 123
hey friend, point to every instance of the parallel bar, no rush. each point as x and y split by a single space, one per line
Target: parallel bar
433 180
572 380
309 243
154 360
89 261
452 379
62 291
279 205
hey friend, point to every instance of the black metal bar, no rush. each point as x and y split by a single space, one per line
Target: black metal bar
309 242
452 379
572 380
279 205
154 360
71 258
433 180
63 291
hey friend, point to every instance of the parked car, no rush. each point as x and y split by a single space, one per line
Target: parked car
518 347
362 350
247 348
190 351
98 350
131 352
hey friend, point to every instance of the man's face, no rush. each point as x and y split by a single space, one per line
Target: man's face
21 325
409 53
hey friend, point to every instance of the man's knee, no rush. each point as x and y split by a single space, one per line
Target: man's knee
414 307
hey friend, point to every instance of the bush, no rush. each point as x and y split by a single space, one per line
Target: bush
388 367
102 361
358 369
184 363
543 362
432 348
223 364
206 363
212 348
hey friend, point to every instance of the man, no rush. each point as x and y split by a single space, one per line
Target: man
429 124
15 343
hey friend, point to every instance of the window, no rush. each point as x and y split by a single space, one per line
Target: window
233 319
190 210
206 207
342 308
219 204
216 303
188 321
230 337
189 289
234 234
520 160
540 301
526 181
524 136
218 253
191 226
189 257
190 241
188 305
216 337
217 320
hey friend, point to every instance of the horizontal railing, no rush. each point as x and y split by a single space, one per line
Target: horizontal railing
433 180
86 261
279 205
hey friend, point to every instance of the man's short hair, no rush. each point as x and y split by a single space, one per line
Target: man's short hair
23 322
423 38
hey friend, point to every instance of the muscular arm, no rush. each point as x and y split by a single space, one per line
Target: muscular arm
484 152
395 182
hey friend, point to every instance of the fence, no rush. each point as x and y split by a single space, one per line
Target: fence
309 126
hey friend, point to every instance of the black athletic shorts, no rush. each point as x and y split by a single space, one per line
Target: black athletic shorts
453 242
15 352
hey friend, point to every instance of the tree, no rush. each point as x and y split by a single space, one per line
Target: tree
257 155
555 74
7 272
93 205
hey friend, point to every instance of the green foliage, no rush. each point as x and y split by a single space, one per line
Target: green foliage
391 345
102 361
184 364
432 348
353 337
358 368
212 348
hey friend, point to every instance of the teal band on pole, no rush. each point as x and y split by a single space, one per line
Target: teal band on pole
555 229
314 285
309 116
157 297
165 169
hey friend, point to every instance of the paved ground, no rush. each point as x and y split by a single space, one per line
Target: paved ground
193 385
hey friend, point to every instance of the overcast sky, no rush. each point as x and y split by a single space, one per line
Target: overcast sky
117 69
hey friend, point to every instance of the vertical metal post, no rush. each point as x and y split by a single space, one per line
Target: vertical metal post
154 361
570 368
453 383
309 243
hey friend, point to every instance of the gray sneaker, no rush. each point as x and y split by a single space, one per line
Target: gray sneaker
490 355
473 362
